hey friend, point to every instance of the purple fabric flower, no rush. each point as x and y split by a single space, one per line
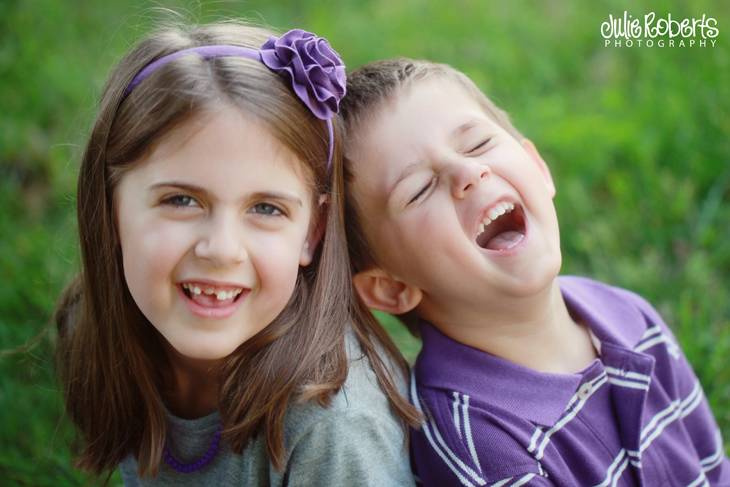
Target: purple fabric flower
316 71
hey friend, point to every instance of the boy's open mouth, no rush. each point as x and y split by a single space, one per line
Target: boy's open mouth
503 227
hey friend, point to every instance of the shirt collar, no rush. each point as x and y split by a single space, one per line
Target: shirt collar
447 364
608 311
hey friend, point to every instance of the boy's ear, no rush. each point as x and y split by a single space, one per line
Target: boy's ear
535 155
381 291
316 231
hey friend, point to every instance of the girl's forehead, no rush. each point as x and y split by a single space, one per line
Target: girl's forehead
221 127
224 149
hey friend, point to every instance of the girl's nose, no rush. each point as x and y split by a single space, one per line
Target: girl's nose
221 242
466 175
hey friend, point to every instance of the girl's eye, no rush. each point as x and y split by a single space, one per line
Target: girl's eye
421 192
480 145
266 209
180 200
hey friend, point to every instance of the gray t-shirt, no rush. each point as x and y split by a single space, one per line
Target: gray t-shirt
357 441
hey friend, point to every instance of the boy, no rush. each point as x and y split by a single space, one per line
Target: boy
524 378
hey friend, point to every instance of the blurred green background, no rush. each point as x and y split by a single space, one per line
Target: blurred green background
638 140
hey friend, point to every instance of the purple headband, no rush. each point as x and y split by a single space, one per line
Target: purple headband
315 70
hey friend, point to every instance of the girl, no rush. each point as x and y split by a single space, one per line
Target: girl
208 328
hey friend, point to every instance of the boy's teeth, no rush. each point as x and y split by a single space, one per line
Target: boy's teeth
196 290
498 210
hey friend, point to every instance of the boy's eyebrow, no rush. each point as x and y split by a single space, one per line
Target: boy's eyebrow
257 195
466 126
410 168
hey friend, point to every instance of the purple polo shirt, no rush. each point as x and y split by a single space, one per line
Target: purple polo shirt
635 416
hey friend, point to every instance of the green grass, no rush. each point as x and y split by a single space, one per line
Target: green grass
637 139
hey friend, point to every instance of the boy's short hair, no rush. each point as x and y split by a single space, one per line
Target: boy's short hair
369 88
371 85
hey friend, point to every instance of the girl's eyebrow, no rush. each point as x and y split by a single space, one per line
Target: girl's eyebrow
278 195
175 184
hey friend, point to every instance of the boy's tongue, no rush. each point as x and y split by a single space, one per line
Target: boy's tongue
505 240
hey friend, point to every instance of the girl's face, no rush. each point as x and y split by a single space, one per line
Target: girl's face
213 226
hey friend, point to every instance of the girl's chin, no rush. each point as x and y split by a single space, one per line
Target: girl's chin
195 351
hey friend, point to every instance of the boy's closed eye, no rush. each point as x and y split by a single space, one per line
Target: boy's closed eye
479 148
422 191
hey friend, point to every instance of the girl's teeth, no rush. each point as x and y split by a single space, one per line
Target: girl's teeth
220 295
481 227
224 295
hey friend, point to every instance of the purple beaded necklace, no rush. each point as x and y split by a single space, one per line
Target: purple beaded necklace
198 464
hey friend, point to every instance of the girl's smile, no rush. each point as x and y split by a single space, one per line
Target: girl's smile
210 299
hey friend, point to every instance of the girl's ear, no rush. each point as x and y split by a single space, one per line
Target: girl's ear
541 164
381 291
316 231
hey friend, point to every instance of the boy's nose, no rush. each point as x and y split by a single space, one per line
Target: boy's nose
221 242
465 175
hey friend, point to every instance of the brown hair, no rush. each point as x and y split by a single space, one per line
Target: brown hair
110 358
369 88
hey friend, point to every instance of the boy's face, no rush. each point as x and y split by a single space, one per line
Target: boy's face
430 169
